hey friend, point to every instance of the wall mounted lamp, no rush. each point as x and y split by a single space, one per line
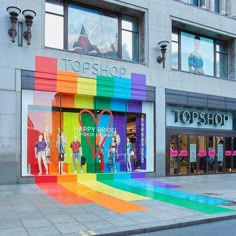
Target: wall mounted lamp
161 59
29 16
14 12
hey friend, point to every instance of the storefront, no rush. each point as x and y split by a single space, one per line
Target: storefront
201 135
112 119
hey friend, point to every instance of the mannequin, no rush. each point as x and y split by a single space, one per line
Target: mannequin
99 140
129 150
112 153
61 146
75 150
116 137
40 148
47 140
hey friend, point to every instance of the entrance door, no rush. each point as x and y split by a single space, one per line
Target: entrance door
193 154
220 154
201 155
183 155
228 143
211 154
234 154
174 155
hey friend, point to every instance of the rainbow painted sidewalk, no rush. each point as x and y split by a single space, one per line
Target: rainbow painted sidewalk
114 204
119 192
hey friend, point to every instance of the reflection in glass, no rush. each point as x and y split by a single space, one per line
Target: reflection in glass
175 60
54 31
129 39
91 32
221 65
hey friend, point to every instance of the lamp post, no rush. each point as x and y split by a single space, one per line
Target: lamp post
14 12
29 16
161 59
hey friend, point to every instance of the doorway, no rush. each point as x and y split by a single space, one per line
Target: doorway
200 154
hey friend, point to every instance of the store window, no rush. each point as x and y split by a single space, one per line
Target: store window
59 129
199 54
91 31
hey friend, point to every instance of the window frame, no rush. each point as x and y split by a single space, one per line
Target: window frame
120 16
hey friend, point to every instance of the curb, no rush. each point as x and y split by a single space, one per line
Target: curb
170 226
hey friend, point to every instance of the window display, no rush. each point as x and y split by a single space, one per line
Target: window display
111 140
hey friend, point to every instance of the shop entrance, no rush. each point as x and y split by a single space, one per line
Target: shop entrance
200 154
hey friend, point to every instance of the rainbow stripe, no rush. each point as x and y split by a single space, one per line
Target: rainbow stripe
48 78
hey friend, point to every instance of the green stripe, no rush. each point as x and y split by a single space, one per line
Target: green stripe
102 103
105 86
196 206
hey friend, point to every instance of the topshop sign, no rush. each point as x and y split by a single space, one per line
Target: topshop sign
81 66
188 117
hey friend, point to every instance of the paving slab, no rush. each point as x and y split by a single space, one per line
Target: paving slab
27 210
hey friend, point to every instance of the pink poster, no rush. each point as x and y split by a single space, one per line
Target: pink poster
228 153
234 153
174 153
202 153
211 153
183 153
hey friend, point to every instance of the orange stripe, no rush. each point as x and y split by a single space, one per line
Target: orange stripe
67 82
68 100
112 203
61 194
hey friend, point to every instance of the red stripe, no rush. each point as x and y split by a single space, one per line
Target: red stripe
61 194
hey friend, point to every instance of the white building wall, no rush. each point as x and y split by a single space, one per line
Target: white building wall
158 26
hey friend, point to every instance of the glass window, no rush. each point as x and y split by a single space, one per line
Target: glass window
92 31
51 122
175 55
215 6
54 25
54 7
198 54
175 50
54 31
129 39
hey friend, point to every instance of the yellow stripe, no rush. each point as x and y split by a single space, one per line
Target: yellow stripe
103 188
86 177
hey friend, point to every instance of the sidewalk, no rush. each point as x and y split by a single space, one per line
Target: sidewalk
115 207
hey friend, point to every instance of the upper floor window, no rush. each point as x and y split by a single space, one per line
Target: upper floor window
91 31
212 5
198 54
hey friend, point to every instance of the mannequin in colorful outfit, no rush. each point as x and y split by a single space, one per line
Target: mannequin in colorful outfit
75 148
112 153
61 146
116 137
40 149
195 61
128 152
99 140
47 140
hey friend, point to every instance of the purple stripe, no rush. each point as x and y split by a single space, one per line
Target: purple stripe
138 86
135 175
119 122
157 183
134 106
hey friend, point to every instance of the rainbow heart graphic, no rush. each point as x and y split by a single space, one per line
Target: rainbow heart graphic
96 121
